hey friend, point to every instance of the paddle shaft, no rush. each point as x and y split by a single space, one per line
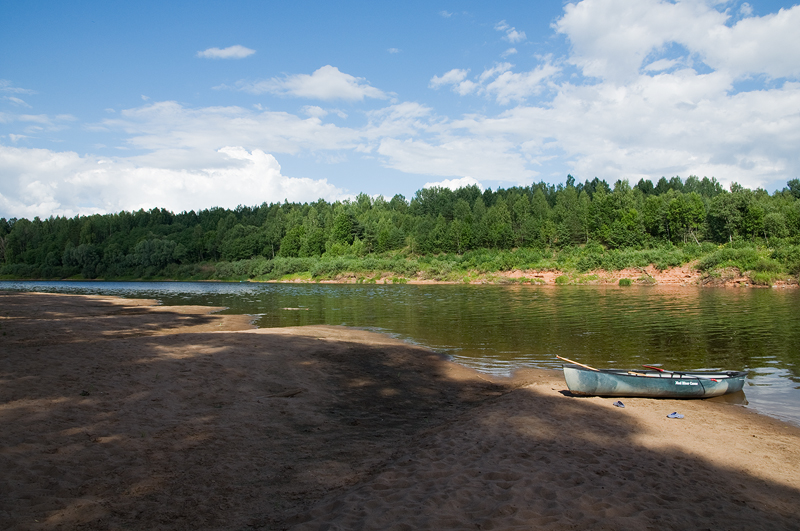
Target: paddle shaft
579 364
681 374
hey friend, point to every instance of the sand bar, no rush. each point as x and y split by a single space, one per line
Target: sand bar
121 414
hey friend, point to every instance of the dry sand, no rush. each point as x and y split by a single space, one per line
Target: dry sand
685 275
120 414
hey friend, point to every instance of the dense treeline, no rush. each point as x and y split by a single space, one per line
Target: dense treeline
580 225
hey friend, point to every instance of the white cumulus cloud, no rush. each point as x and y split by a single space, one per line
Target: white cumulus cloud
452 77
231 52
42 182
611 39
455 184
326 83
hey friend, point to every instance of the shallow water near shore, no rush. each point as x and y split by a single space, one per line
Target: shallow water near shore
497 329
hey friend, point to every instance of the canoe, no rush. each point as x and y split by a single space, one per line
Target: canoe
653 384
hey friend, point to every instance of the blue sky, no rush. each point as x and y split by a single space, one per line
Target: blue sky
107 106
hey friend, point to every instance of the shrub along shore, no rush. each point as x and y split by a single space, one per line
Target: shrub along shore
578 230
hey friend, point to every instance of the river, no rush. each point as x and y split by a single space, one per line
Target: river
497 329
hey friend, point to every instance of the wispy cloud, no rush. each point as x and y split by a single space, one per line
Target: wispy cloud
478 156
511 34
660 65
231 52
393 50
37 123
16 101
326 83
510 86
9 88
445 14
499 82
179 136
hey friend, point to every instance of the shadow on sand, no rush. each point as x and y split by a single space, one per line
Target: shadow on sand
110 423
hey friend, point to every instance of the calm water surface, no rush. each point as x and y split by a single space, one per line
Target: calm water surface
497 329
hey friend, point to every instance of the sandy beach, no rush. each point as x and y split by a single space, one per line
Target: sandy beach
122 414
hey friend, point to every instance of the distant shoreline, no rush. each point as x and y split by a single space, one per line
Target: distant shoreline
685 276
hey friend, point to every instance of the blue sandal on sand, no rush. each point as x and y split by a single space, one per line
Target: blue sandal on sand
618 403
675 415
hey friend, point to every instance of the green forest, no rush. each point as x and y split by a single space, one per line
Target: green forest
439 234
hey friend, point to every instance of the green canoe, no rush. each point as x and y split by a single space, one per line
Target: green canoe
654 384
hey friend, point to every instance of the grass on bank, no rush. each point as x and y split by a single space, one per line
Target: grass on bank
762 265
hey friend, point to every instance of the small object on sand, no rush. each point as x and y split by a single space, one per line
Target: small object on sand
675 415
287 394
84 393
618 403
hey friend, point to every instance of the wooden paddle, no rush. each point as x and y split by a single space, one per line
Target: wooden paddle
579 364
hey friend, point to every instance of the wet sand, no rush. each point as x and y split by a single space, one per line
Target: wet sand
120 414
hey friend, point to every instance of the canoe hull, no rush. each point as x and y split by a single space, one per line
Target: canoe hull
652 384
